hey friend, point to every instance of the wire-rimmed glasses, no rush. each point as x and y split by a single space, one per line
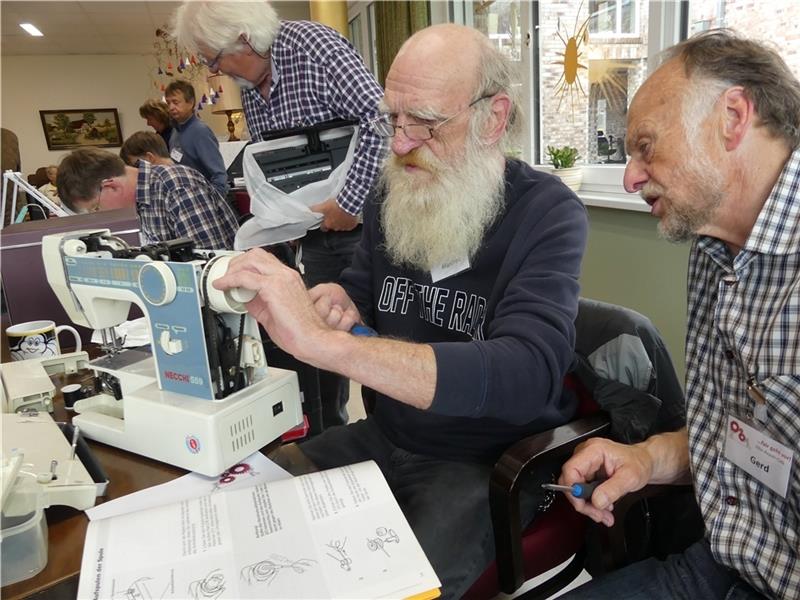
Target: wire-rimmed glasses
386 125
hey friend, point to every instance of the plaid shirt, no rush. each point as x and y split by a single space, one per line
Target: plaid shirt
177 201
744 320
317 76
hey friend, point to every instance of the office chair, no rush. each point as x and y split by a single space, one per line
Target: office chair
627 390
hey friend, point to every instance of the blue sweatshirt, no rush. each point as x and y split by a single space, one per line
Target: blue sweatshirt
200 150
502 331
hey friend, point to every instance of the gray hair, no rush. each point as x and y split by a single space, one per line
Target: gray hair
497 74
217 25
718 59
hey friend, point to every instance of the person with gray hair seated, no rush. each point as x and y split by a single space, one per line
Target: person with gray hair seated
714 142
468 274
49 189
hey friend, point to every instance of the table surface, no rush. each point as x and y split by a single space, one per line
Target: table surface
126 473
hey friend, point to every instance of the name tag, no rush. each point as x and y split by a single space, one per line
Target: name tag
445 271
176 155
757 454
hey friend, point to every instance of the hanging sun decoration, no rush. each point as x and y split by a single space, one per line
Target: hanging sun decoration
569 83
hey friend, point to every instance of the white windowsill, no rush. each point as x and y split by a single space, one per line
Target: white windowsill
610 200
602 187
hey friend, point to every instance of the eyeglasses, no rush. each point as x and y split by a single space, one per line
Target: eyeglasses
386 125
94 205
213 64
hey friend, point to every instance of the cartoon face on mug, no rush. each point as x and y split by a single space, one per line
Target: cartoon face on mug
34 345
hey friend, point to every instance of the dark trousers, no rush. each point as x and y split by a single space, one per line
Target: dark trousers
692 575
325 255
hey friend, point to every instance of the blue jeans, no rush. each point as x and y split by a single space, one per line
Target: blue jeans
692 575
325 255
445 502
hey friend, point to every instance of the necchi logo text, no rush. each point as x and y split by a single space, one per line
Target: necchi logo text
182 377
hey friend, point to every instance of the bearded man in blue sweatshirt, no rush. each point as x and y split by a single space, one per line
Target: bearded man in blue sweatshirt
468 272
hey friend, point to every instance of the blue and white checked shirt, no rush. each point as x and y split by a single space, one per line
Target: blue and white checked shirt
744 315
176 201
317 76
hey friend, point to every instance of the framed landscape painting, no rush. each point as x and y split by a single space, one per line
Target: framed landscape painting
76 128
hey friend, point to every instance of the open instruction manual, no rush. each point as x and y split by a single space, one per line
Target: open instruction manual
333 534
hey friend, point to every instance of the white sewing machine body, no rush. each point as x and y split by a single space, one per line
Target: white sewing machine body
203 398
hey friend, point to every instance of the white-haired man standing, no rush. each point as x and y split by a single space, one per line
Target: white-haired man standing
468 272
714 139
297 74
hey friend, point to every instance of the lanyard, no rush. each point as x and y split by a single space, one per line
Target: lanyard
753 387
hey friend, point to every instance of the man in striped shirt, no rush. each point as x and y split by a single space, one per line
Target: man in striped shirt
713 137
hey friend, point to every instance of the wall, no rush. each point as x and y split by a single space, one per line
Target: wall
33 83
627 263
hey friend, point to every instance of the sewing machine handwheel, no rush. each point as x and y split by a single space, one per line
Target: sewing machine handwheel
229 301
242 295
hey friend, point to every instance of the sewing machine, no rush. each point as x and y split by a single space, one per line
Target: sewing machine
202 397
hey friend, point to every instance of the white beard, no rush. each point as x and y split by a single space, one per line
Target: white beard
440 217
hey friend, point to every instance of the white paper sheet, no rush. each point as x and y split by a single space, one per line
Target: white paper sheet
333 534
279 216
253 470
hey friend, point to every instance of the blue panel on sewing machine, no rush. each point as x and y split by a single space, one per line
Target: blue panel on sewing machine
169 295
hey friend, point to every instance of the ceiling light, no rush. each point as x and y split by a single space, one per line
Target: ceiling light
31 29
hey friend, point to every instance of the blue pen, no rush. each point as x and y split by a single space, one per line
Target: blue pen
578 490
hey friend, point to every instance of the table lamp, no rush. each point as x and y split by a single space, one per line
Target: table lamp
228 102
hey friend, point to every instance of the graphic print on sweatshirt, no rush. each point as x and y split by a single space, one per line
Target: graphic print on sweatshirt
455 310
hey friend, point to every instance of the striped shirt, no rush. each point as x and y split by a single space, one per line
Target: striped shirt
744 321
176 201
317 76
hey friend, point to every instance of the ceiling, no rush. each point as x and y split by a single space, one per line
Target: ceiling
91 27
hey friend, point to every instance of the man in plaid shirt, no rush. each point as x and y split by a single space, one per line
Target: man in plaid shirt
713 137
297 74
172 201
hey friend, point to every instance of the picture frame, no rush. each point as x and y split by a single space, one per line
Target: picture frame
81 127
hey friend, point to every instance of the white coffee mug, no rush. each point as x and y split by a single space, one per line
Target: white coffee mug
37 339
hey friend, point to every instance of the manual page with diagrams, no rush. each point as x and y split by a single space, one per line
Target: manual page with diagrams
332 534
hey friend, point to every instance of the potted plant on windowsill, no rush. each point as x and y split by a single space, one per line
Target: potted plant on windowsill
563 161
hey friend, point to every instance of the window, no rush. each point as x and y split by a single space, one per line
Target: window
507 24
590 72
774 22
580 64
613 18
361 28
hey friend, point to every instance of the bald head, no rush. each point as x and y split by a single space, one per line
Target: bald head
447 56
444 70
660 98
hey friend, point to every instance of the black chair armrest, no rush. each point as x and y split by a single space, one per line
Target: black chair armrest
512 471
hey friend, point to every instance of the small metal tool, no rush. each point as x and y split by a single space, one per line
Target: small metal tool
75 433
578 490
53 465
